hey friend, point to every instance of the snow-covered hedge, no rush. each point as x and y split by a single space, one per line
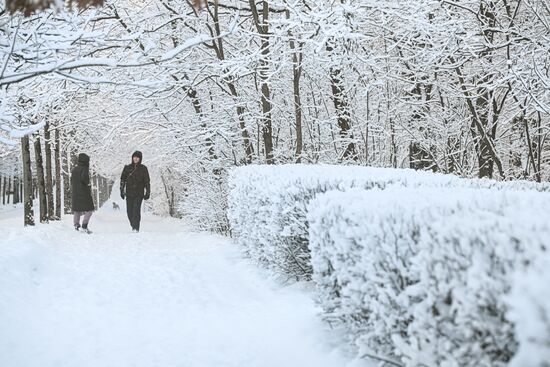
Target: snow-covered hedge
420 275
268 205
530 311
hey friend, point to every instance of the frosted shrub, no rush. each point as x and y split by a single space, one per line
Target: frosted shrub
420 275
362 243
530 311
465 261
268 206
204 204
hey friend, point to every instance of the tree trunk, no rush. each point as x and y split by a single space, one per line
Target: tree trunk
421 158
93 182
109 188
9 190
298 111
482 132
100 191
66 183
296 76
248 147
49 178
27 182
483 120
34 188
97 190
105 189
41 184
106 192
7 187
266 121
16 190
341 105
169 196
57 176
539 146
6 190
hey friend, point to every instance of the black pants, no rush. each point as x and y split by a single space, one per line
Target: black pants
133 209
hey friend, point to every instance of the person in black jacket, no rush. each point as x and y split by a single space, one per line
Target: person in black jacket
82 202
135 187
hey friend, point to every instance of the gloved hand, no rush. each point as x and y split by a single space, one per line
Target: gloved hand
146 197
122 194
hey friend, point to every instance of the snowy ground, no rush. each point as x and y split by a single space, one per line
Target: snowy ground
164 297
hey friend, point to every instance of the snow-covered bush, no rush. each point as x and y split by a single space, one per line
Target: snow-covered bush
530 311
419 275
204 203
267 206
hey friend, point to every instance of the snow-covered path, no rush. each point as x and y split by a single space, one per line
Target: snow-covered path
164 297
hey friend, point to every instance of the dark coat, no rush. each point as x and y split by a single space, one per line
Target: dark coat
134 181
80 184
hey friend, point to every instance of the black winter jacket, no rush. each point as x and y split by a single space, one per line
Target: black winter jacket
80 184
134 181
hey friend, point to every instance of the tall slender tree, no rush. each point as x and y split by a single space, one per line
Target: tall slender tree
27 182
40 181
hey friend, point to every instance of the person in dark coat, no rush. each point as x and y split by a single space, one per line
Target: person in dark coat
135 187
82 202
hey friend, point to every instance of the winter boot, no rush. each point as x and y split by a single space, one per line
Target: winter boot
85 228
77 226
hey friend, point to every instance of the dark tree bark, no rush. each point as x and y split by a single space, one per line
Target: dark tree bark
16 190
296 76
248 147
341 105
9 191
266 122
484 105
41 184
3 186
104 190
58 183
66 184
49 178
93 182
421 158
422 155
27 182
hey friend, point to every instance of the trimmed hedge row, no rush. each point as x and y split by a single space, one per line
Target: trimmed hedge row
422 269
423 276
267 205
